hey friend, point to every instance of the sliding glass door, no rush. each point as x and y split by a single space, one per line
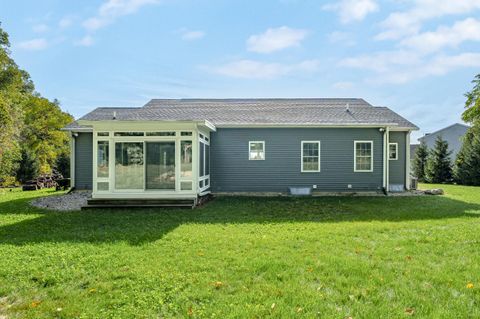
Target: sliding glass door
160 169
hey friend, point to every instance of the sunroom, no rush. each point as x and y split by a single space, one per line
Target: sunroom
150 159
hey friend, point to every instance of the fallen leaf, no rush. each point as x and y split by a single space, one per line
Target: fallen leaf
273 306
409 311
35 303
469 285
190 311
408 257
218 284
92 290
299 309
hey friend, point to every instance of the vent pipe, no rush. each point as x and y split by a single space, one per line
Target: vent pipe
114 115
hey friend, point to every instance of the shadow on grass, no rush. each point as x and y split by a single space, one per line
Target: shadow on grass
137 226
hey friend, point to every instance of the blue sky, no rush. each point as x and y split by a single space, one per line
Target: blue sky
415 56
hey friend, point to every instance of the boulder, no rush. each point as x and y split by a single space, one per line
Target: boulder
435 191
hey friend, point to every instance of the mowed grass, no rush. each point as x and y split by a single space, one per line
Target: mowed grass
335 257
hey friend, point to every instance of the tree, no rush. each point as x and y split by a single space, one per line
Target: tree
439 166
420 161
42 134
472 105
28 166
15 87
467 164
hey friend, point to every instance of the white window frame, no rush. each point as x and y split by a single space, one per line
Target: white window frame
396 152
250 153
355 157
319 156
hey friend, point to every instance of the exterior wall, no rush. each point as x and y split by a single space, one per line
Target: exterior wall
397 167
452 134
231 171
83 161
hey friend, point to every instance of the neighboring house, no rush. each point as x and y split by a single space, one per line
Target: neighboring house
453 134
190 147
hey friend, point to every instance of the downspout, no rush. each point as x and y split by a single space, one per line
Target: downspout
72 159
387 161
384 176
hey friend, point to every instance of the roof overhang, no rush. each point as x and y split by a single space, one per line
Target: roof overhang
145 124
312 125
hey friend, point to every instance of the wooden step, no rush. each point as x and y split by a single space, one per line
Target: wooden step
131 203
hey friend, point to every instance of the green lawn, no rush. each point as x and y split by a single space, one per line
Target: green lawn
378 257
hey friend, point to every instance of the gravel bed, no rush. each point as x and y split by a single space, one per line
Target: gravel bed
73 201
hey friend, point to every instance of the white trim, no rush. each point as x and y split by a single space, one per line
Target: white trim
387 189
250 152
355 157
313 125
72 159
319 156
407 161
396 151
385 158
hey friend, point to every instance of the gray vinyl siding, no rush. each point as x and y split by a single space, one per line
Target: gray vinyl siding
397 167
231 171
83 161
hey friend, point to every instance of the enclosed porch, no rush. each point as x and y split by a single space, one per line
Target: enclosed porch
151 160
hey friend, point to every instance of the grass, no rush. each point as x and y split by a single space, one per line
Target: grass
395 257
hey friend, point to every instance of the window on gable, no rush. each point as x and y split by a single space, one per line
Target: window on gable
393 151
310 156
256 150
363 156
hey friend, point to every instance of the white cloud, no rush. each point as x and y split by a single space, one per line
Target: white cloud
34 44
86 41
190 35
251 69
275 39
427 42
112 9
344 38
402 23
40 28
352 10
65 22
438 66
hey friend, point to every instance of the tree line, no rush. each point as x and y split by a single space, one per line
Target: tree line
31 142
435 166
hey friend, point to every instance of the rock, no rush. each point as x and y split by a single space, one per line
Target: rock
435 191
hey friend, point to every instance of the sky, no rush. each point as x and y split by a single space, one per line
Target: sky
417 57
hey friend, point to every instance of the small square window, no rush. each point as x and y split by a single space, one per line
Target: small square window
256 150
393 151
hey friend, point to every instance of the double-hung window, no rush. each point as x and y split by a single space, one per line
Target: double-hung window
363 160
310 156
393 151
256 150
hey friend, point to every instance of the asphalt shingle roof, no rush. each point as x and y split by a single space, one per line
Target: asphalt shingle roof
257 111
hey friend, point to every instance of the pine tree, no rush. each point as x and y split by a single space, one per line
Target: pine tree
439 166
467 164
420 161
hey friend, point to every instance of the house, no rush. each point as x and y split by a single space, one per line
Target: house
184 148
453 134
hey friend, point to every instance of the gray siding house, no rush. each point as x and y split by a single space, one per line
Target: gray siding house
453 134
185 148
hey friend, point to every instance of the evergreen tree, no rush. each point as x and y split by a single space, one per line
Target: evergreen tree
439 166
467 164
420 161
29 168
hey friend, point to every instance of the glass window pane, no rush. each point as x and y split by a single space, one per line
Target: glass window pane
129 134
186 158
207 159
393 151
186 186
129 166
257 151
102 159
102 134
202 160
363 156
102 186
160 161
160 133
186 133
